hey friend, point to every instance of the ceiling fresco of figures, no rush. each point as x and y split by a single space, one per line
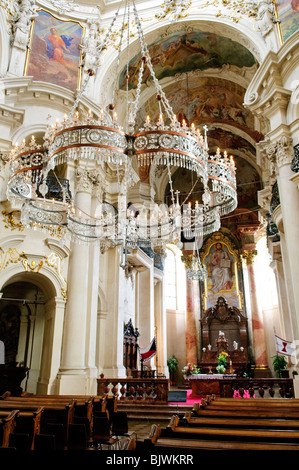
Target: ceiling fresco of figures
184 52
229 141
206 100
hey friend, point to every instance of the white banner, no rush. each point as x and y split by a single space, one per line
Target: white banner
284 347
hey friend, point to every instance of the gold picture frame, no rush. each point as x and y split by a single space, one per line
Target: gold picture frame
287 15
231 288
54 54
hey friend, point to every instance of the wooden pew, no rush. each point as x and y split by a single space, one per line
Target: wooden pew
245 413
227 421
262 403
27 421
7 425
157 441
85 407
174 429
83 404
59 414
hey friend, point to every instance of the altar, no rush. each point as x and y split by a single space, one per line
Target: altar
224 329
207 384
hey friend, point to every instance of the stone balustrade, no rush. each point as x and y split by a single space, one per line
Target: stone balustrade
136 390
260 388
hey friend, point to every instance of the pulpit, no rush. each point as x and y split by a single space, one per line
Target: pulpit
131 335
224 328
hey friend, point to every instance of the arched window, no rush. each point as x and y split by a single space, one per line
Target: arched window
175 279
265 278
170 280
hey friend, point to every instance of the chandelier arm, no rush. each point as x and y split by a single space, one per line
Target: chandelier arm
127 65
100 49
146 54
119 50
138 92
170 183
191 190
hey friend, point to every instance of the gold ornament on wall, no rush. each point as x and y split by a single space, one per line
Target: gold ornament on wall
248 256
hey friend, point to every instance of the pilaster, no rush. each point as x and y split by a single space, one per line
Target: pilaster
257 323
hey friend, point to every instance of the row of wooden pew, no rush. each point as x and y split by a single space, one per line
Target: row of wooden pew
51 422
231 424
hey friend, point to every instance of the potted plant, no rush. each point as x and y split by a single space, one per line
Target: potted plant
279 365
172 364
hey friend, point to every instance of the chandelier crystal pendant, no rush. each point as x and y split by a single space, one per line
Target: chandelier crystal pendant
222 176
90 139
26 170
196 271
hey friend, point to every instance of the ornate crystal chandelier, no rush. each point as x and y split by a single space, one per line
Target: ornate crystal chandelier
167 143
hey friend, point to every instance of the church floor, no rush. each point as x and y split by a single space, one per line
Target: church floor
142 428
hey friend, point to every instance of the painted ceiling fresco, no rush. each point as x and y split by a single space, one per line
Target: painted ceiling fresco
183 52
204 101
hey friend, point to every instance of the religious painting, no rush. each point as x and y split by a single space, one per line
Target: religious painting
182 52
288 14
204 100
223 280
55 54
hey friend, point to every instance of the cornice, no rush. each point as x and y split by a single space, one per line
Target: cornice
269 75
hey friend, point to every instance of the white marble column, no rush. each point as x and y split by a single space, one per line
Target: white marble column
111 337
51 350
256 315
285 325
282 154
160 323
146 321
72 376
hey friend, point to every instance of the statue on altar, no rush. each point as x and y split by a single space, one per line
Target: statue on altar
222 345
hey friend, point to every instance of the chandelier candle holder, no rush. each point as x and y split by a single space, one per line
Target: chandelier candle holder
87 138
222 176
176 145
42 213
200 220
196 271
27 164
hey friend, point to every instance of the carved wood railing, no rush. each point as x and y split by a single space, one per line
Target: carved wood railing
260 388
135 390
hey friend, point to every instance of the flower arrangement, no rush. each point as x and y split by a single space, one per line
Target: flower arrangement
222 362
190 369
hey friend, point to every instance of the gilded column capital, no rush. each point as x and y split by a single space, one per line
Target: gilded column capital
187 260
248 256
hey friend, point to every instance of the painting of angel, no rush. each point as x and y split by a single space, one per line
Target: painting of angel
55 51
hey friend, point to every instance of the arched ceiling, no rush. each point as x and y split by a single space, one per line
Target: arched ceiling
204 76
182 52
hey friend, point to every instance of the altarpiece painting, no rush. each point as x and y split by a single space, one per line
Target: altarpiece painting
224 272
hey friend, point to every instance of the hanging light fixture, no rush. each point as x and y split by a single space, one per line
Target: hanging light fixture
196 271
101 138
